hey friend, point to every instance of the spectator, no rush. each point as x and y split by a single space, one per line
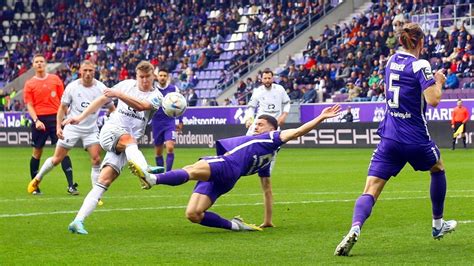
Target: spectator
192 98
452 81
309 95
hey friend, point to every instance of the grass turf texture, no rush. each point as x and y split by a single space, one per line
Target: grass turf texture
314 191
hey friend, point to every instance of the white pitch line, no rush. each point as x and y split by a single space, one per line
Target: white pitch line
149 195
466 222
216 205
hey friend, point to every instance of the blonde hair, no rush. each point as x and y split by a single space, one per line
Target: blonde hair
145 66
88 63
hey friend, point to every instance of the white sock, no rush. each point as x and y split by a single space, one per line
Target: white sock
134 154
90 202
235 226
45 168
438 223
95 172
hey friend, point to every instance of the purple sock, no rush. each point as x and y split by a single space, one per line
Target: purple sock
159 161
362 209
214 220
172 178
169 161
438 193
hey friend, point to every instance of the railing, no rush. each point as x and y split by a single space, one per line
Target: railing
446 16
282 39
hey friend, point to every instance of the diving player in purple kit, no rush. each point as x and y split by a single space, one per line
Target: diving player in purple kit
164 127
236 157
404 135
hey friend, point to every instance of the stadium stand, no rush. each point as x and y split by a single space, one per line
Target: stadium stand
201 46
209 48
344 64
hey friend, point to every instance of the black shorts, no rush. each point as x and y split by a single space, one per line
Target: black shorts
39 137
457 125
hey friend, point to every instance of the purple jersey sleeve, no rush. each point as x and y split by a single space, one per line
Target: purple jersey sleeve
423 73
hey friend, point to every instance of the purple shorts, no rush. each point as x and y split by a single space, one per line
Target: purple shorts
224 174
39 137
163 134
390 157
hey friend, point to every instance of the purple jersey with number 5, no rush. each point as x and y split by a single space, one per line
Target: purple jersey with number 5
250 153
406 78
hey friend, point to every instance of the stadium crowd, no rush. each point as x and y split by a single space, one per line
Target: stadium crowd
344 63
177 35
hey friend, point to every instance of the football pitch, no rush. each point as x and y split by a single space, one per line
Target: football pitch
314 192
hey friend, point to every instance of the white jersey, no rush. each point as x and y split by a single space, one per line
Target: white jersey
78 97
124 116
269 101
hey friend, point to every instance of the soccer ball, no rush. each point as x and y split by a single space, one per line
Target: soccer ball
174 104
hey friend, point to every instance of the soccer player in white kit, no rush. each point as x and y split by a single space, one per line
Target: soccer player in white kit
77 96
270 99
137 100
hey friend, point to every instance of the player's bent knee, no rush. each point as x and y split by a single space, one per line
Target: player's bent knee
439 166
126 139
95 161
194 216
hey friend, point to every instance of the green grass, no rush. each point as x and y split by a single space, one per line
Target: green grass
314 192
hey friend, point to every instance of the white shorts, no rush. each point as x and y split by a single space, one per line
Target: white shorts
71 137
116 161
109 137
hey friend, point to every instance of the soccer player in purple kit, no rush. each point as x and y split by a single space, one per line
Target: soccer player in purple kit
236 157
404 135
164 127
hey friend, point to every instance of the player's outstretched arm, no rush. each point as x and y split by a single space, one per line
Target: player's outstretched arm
293 133
137 104
94 106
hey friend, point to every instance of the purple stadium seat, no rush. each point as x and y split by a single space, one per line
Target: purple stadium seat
207 75
225 46
221 65
213 93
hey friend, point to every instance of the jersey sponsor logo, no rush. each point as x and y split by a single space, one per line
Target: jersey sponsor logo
427 73
132 114
405 115
131 109
271 106
53 93
85 104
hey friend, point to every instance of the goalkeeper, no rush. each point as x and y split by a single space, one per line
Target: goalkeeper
460 115
268 99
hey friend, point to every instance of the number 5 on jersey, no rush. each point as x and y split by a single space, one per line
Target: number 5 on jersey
393 102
